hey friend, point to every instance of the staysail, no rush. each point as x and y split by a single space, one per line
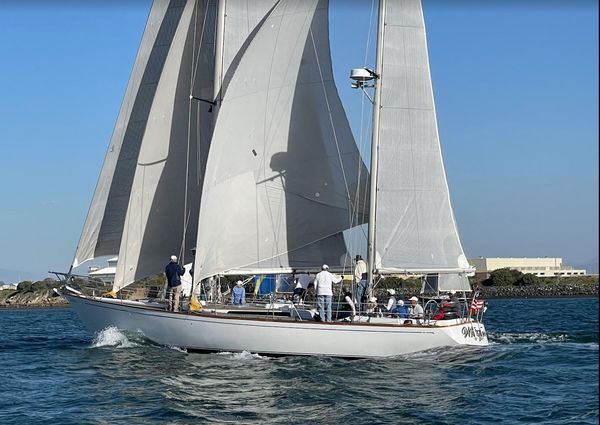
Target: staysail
414 222
283 168
165 194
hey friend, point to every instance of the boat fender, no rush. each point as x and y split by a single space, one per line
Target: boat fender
195 305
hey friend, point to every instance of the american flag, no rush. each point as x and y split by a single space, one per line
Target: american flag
477 304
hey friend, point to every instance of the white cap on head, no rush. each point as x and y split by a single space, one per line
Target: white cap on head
325 267
373 299
400 302
452 292
414 299
239 283
174 258
391 291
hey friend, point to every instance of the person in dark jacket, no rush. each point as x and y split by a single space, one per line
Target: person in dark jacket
174 272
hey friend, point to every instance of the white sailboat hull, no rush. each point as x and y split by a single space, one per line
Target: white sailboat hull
210 332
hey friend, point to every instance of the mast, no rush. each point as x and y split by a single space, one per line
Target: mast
375 150
219 44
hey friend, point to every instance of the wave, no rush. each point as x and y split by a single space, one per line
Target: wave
112 337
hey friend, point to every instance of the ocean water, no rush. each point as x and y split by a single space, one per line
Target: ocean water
541 367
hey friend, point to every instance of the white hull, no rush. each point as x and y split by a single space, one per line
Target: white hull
211 332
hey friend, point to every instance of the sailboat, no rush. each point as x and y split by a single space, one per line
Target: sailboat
232 139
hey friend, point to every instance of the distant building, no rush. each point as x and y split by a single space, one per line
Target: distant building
8 286
542 267
106 274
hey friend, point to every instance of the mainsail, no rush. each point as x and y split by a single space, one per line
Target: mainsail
283 167
415 226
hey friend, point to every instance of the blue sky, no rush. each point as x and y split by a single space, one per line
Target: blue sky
516 88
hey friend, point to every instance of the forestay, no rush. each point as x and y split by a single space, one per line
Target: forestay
283 168
415 226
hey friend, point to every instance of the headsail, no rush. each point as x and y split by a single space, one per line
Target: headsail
146 203
102 230
283 167
415 226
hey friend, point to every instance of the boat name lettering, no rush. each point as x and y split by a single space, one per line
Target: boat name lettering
471 332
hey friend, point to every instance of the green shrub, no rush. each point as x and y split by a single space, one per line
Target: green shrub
39 285
24 286
504 277
528 279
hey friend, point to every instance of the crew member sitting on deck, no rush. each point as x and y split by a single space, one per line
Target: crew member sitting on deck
371 305
238 294
440 314
402 313
391 306
415 310
349 302
452 306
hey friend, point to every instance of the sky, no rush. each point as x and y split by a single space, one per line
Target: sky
516 92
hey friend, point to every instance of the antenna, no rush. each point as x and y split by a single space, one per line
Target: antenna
361 77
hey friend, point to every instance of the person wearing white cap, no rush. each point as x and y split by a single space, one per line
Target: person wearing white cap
174 272
324 286
402 313
391 305
238 294
415 310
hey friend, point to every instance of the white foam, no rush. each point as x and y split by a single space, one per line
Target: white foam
112 337
534 337
244 355
181 350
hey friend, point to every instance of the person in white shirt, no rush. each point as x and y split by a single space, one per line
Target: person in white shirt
324 286
415 310
360 280
390 307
